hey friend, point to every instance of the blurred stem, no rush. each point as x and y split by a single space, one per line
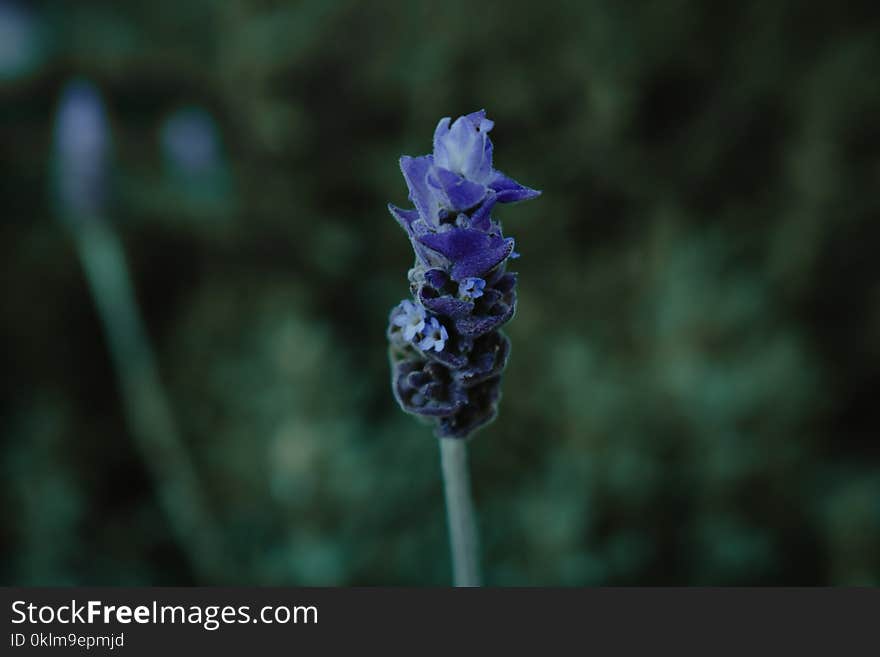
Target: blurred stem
463 537
147 410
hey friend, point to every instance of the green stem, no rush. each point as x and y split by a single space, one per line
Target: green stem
147 409
463 538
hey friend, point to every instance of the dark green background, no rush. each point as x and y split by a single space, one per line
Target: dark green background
692 393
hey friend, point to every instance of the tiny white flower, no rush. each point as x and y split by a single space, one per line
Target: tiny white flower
434 337
411 319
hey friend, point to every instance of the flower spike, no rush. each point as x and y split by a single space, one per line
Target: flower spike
447 350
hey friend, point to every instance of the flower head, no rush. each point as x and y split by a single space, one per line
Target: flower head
447 350
82 149
459 174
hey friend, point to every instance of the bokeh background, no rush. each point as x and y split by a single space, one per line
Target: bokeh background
692 393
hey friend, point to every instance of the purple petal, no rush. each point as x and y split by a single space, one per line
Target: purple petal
481 324
441 155
483 172
415 172
420 389
506 283
480 218
489 359
472 252
412 223
510 191
479 120
490 298
446 305
404 217
482 407
479 263
458 192
464 147
437 278
447 358
456 243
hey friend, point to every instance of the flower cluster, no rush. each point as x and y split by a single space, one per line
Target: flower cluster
447 352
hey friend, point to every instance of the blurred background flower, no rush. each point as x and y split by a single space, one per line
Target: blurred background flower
697 346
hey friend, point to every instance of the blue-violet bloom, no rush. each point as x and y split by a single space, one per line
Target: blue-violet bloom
82 151
471 288
435 336
447 352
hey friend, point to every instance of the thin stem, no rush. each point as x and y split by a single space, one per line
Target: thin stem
463 537
147 409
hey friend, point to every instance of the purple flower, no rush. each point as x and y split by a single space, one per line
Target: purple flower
464 147
467 251
471 288
447 352
82 150
459 174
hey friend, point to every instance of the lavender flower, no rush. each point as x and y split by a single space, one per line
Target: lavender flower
82 150
447 352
